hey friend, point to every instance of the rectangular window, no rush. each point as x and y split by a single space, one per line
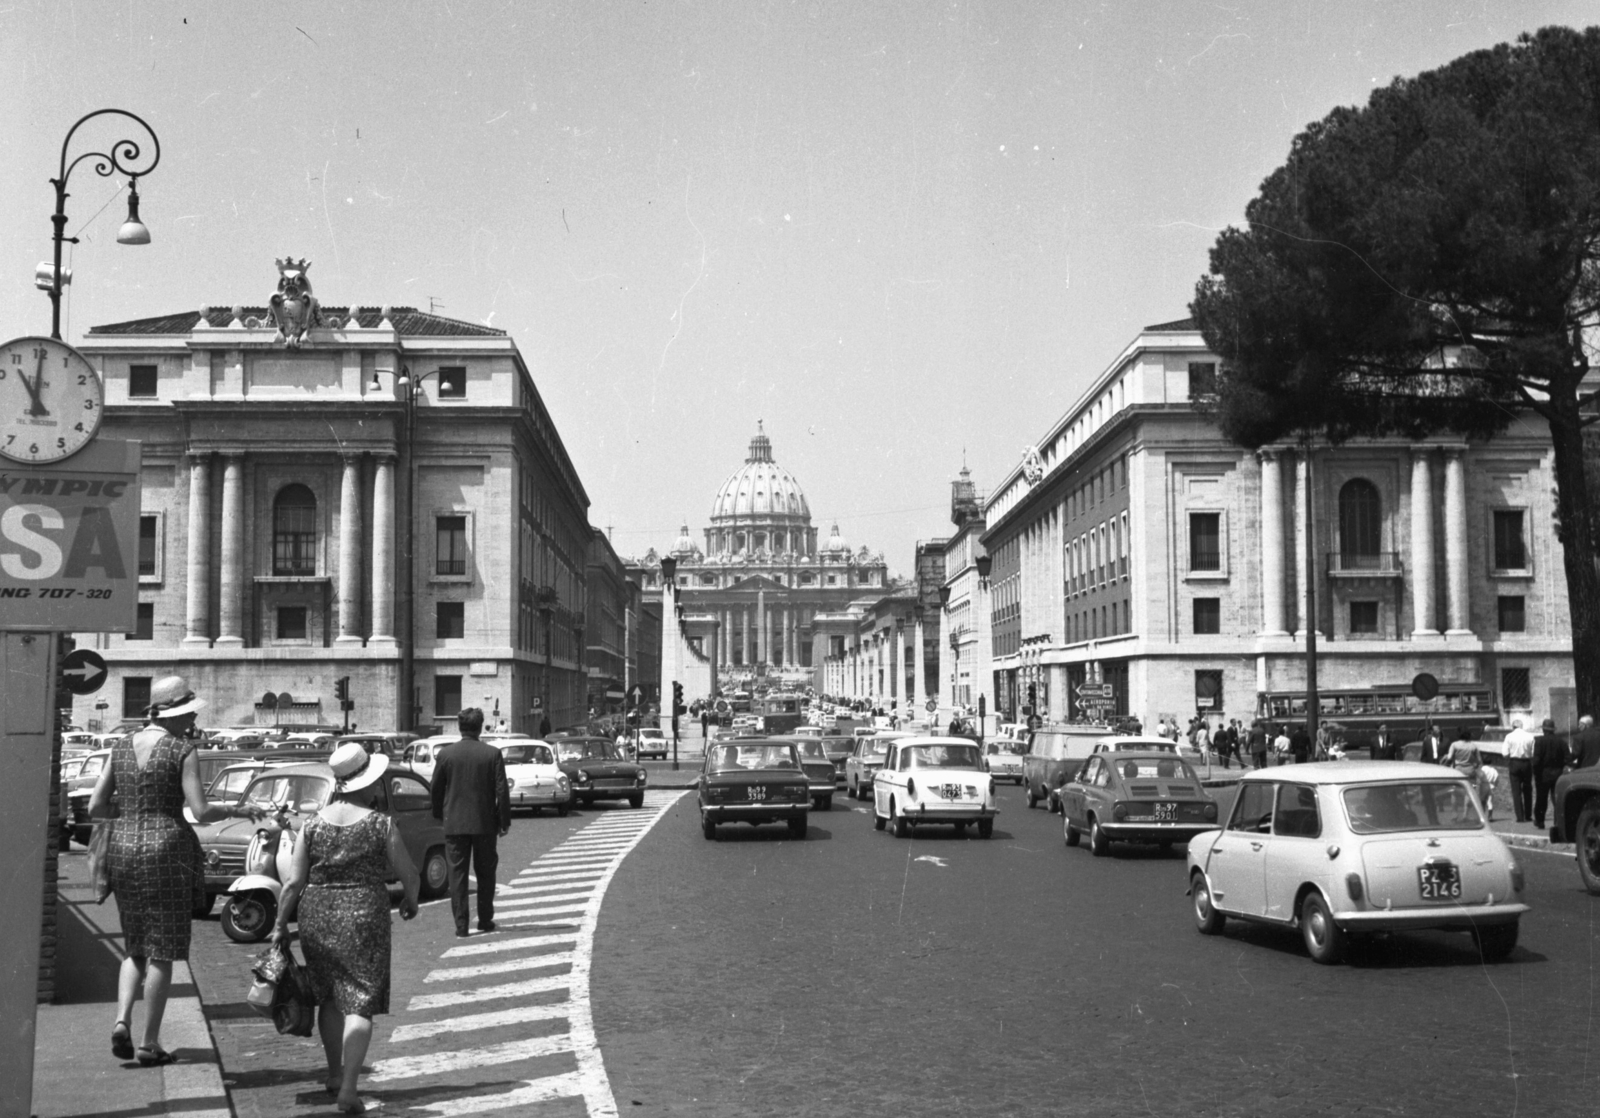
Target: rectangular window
1510 547
1513 613
291 623
447 695
1202 379
141 380
452 545
135 696
144 624
147 546
451 620
1207 615
1363 617
453 383
1516 690
1205 541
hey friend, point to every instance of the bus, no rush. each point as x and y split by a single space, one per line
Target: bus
778 713
1355 713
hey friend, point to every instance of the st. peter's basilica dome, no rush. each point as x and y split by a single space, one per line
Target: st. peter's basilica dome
761 490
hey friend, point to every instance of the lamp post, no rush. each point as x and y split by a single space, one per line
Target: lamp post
107 163
983 670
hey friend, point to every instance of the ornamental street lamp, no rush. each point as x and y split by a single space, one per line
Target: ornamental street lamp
124 158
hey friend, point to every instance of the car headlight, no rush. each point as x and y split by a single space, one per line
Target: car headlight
563 784
581 776
1211 811
643 776
1119 811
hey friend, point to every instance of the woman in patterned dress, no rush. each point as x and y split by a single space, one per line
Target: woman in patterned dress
346 854
154 865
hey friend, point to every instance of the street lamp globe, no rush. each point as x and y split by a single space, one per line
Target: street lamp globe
133 231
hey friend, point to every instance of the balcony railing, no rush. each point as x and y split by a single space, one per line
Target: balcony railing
1377 564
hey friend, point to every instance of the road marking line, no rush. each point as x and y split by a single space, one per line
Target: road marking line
532 962
490 993
520 1015
566 861
533 1091
524 902
409 1067
589 862
517 944
556 887
547 911
565 876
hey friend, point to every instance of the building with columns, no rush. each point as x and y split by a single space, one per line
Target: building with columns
763 575
1135 547
387 500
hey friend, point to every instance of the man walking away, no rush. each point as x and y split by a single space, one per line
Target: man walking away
1281 745
1585 745
1519 765
472 799
1300 744
1258 745
1550 758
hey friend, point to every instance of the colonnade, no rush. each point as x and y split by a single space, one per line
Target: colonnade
237 574
761 634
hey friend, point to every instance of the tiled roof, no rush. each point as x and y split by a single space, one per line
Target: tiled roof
1181 324
408 322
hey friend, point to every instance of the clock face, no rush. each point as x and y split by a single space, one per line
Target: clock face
50 400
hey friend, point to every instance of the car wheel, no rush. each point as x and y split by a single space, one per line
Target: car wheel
826 803
1069 833
878 821
985 828
1099 843
1032 799
854 791
435 874
1496 941
898 824
636 800
248 918
1324 939
1588 840
797 828
1206 917
707 827
564 810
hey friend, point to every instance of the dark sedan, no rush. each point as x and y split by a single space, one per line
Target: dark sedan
818 768
597 770
838 747
755 781
1135 797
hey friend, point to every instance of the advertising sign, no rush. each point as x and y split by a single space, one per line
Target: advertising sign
69 541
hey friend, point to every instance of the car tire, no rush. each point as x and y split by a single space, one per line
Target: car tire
825 804
797 828
1496 941
899 826
564 810
1099 842
1032 799
1207 919
1069 833
985 828
1587 837
1323 938
853 791
636 800
878 821
249 918
707 827
435 873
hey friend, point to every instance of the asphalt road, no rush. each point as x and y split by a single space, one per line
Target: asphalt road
853 973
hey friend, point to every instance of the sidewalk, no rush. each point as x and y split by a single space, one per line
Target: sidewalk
74 1073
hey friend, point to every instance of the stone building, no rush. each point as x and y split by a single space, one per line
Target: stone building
763 574
1136 550
386 499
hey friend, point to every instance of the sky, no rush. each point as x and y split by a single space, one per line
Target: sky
902 236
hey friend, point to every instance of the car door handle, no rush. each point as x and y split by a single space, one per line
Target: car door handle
1255 846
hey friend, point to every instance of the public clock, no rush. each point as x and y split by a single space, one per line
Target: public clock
50 400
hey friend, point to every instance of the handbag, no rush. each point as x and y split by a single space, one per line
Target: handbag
100 859
280 991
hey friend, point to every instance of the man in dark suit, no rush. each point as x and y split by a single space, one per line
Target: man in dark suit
473 800
1585 744
1550 757
1434 750
1300 744
1383 749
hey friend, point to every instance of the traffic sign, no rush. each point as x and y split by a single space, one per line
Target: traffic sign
1094 690
83 671
932 705
636 694
1424 686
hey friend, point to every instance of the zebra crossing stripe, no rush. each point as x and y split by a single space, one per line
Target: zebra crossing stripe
409 1067
525 906
533 1091
532 962
558 873
491 945
547 911
556 887
519 1015
489 993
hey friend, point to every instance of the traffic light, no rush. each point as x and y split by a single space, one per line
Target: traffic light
1033 695
341 688
677 698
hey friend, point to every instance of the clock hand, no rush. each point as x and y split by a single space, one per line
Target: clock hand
35 389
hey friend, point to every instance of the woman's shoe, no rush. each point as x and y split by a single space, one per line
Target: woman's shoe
155 1056
121 1041
353 1106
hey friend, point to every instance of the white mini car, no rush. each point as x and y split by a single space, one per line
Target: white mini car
933 780
1003 758
652 742
536 781
1341 848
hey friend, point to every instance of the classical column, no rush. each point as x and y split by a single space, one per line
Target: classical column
761 627
1457 608
350 553
197 626
383 550
919 694
746 643
786 656
1302 511
1272 542
897 661
229 627
1423 607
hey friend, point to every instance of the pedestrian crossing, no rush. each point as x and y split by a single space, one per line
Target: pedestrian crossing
532 979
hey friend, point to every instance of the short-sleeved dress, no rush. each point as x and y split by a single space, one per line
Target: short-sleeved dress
154 863
344 913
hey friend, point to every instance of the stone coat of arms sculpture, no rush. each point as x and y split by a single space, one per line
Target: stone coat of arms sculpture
293 308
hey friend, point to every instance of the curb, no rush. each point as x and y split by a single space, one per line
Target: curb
191 1087
1538 842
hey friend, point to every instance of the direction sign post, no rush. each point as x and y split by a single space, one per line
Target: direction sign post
83 671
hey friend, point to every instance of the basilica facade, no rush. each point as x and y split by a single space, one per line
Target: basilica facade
763 573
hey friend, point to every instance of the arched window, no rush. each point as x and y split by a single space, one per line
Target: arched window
294 531
1360 525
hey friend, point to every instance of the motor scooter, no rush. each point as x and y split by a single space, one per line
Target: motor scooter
252 905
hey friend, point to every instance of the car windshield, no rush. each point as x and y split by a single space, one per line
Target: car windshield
651 734
875 748
729 757
587 751
229 783
528 754
943 757
1421 805
1016 747
811 751
291 789
1151 768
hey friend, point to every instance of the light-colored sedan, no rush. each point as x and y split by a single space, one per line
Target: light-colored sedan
536 780
1342 848
1003 758
933 780
864 761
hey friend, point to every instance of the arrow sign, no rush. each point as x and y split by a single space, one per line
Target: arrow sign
1094 690
83 671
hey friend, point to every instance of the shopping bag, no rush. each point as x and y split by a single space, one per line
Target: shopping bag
280 983
100 859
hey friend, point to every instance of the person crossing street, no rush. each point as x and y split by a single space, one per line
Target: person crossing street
473 800
1519 766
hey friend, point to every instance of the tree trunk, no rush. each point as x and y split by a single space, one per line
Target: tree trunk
1580 549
